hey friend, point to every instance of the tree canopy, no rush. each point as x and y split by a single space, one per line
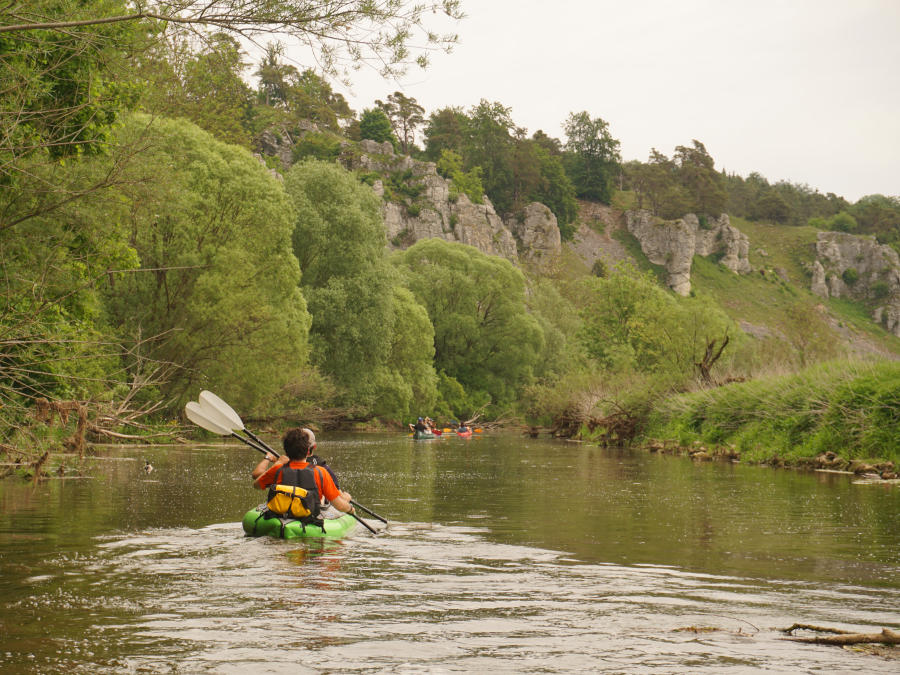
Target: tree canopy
484 337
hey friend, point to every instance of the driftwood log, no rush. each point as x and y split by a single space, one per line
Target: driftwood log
842 637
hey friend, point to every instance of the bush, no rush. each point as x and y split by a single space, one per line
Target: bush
320 146
850 276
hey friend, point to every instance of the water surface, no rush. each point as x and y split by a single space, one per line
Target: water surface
502 554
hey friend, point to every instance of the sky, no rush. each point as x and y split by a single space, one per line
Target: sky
801 90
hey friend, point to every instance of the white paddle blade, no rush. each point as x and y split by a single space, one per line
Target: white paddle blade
209 401
197 415
218 416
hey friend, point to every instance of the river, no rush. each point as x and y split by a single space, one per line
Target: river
502 554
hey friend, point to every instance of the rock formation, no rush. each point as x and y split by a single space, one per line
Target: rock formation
438 211
673 244
859 268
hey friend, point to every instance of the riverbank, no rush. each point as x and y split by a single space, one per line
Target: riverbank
839 416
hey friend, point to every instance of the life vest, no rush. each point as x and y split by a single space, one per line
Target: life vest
294 495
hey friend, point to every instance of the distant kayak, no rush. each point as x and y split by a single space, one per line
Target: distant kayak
464 434
423 435
255 526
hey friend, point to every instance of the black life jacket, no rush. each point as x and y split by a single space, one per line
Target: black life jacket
294 495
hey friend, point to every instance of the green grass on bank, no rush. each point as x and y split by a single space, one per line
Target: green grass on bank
849 407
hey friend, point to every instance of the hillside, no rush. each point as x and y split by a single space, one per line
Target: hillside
772 303
759 273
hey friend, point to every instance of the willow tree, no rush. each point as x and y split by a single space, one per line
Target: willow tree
217 283
484 336
360 332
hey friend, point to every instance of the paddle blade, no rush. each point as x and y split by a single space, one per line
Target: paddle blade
196 414
223 412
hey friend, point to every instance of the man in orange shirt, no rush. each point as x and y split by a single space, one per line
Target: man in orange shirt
298 443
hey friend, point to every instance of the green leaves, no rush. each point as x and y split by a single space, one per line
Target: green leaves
484 337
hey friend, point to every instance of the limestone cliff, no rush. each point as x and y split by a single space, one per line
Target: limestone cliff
859 268
420 204
674 243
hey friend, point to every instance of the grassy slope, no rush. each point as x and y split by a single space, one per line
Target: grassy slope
797 415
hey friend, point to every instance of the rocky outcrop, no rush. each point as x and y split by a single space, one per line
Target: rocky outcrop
859 268
420 204
537 234
430 208
673 244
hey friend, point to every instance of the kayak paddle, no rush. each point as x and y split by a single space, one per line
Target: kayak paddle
199 416
221 410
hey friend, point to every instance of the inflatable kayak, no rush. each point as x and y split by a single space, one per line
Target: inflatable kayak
255 525
464 434
423 435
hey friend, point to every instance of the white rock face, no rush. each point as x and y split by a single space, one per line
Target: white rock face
537 233
435 213
877 274
673 244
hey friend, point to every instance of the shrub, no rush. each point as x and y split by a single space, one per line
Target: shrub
850 276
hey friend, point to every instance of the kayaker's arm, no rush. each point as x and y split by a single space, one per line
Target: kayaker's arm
342 502
264 465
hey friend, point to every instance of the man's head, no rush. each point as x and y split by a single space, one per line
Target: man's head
298 442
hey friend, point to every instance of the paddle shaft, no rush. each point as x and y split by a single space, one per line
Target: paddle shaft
364 523
367 510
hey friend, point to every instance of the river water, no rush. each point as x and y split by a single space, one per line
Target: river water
502 554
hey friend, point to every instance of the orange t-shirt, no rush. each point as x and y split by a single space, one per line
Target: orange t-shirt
324 482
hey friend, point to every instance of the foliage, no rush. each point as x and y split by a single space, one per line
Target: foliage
631 323
850 276
375 125
367 334
63 94
592 159
465 182
483 335
850 408
213 230
341 36
202 82
314 145
485 144
405 115
697 175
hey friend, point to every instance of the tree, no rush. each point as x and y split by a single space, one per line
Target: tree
632 324
593 156
466 182
484 336
341 35
447 129
275 76
361 331
490 144
212 228
63 93
206 86
556 191
697 174
406 115
375 125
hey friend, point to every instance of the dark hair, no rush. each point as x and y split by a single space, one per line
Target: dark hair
298 443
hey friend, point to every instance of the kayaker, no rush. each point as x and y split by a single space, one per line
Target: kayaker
420 426
462 428
298 444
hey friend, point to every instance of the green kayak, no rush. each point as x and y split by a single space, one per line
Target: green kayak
423 435
255 525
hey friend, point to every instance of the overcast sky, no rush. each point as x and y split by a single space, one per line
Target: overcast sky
802 90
